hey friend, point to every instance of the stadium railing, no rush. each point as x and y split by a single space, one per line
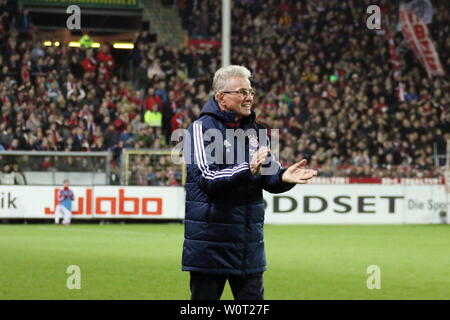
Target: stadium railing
51 168
152 167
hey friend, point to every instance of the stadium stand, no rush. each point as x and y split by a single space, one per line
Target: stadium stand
321 77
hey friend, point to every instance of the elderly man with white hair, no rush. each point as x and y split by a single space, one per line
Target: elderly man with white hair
224 192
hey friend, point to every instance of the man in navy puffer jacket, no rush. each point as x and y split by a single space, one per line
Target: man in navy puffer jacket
224 195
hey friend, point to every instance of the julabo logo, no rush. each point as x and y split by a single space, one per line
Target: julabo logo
7 201
340 204
90 204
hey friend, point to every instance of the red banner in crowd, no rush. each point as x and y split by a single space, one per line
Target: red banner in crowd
416 34
370 180
202 43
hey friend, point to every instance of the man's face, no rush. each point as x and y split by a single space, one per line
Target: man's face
236 102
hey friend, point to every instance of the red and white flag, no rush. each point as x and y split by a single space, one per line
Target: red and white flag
416 34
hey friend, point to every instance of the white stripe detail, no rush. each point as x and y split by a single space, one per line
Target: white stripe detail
200 156
206 172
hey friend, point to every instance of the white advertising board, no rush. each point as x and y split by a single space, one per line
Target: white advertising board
358 204
96 202
304 204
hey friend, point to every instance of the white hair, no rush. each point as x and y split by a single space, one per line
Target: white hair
223 74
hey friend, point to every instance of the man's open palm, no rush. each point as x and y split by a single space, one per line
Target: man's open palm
298 174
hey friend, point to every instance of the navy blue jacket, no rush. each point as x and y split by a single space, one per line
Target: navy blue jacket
224 202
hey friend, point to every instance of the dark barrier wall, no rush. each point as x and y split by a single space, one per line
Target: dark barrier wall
123 4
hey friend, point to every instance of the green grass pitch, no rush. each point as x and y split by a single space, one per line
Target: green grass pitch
143 261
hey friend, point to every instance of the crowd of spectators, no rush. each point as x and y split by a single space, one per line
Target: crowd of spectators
320 75
154 170
326 81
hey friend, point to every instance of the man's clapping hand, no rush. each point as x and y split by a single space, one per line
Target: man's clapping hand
258 160
298 174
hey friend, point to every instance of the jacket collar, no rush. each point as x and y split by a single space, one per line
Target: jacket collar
211 107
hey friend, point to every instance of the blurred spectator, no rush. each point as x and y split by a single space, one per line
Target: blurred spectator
89 63
153 117
8 176
24 25
19 175
111 137
126 137
105 56
86 41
